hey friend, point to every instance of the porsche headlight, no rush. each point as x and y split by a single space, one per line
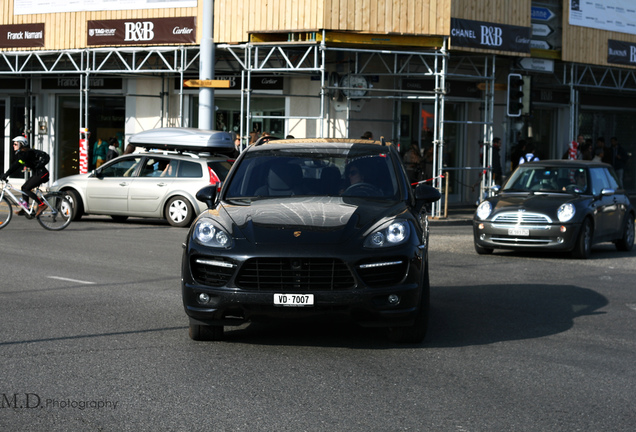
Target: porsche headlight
395 233
484 210
210 234
566 212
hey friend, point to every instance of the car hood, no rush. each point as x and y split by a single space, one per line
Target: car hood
321 220
76 179
546 203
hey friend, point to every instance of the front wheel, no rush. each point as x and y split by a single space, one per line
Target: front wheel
583 247
5 212
179 211
58 214
416 332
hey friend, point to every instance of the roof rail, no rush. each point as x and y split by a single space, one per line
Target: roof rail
264 139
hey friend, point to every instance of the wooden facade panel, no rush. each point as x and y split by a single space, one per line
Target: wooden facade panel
412 17
587 45
509 12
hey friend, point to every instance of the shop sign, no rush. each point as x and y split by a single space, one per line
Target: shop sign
22 35
463 89
73 83
621 52
13 84
257 82
142 31
492 36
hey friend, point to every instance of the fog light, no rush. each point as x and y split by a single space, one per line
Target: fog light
482 237
204 298
480 226
560 240
393 299
563 229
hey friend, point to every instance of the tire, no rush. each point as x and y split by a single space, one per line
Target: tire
119 219
416 332
626 243
179 212
206 333
583 247
6 212
76 202
482 250
58 215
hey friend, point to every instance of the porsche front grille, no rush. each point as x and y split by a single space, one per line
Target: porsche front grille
295 274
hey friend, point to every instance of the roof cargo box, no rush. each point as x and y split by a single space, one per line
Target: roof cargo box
183 139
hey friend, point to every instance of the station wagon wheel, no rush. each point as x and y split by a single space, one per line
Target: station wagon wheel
583 246
76 203
179 211
626 242
205 332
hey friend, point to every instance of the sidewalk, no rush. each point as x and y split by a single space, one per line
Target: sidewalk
455 216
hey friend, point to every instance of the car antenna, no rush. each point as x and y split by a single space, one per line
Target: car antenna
383 141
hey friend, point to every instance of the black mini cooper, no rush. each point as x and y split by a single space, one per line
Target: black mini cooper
557 205
311 228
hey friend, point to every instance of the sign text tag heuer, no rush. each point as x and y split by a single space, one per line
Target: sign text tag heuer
175 30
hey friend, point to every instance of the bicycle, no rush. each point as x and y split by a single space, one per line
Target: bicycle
56 216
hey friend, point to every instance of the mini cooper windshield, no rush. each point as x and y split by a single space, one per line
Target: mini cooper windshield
352 172
548 179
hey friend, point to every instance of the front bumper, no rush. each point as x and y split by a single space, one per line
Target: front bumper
355 290
560 237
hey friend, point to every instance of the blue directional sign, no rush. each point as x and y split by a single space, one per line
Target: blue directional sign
542 13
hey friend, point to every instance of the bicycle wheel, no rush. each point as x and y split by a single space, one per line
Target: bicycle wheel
58 214
5 212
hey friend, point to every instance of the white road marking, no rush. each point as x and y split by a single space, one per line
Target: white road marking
71 280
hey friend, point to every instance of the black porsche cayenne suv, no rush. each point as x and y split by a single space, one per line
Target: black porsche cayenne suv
311 228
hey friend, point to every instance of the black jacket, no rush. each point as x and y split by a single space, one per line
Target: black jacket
28 158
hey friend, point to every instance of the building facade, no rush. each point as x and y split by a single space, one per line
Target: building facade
430 73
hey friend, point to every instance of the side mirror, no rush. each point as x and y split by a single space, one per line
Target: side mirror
426 194
496 189
608 192
207 195
97 173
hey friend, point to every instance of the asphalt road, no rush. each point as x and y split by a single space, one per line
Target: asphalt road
94 338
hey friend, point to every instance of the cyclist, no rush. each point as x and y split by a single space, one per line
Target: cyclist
36 160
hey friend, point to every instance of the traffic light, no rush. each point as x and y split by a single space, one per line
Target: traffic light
515 95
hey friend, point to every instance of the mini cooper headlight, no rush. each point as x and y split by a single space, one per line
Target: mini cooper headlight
210 234
484 210
566 212
395 233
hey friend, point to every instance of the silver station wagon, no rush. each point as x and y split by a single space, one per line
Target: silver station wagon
159 182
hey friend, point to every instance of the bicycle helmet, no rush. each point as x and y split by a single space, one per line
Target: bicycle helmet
21 140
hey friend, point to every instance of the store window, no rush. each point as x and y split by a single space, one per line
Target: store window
228 114
106 120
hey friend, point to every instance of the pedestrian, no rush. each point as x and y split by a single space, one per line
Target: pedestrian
112 149
529 156
368 135
497 171
618 159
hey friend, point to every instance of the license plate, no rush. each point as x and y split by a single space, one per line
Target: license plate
519 232
294 300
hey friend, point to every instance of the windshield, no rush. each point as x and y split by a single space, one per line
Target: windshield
356 171
548 179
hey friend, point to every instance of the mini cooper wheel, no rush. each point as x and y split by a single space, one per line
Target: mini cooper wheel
583 246
200 332
179 211
626 242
